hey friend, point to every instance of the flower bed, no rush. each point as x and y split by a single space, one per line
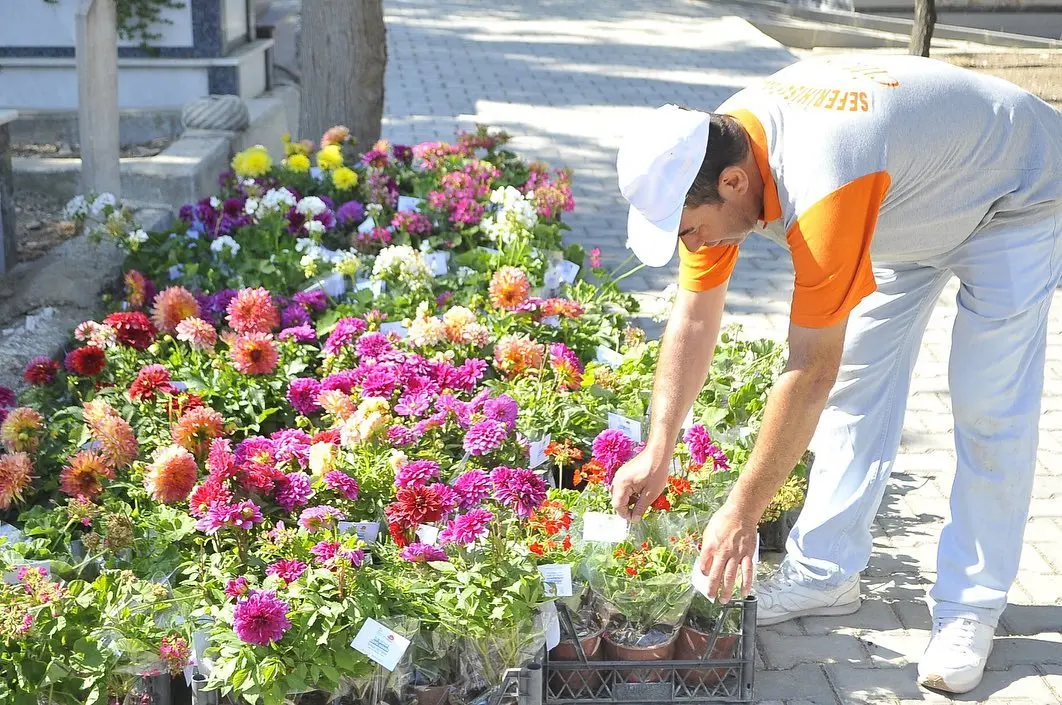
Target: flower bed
348 429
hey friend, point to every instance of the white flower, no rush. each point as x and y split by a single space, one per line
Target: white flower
250 206
314 227
374 210
514 217
76 207
403 263
346 263
308 260
277 198
249 183
311 206
102 201
303 244
215 202
667 302
138 236
225 242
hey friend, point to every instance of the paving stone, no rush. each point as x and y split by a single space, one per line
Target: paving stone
913 614
895 648
805 681
873 615
879 686
783 652
1016 682
1043 648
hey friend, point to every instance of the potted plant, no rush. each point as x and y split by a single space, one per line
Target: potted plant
711 631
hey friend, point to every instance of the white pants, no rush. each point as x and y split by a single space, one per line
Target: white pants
1008 274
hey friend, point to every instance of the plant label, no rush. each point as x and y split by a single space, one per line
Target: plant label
408 203
608 356
367 226
394 327
438 263
11 533
367 531
538 451
428 534
490 250
381 644
604 528
552 624
558 579
553 321
631 429
180 386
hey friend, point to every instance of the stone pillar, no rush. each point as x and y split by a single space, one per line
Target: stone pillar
97 85
7 194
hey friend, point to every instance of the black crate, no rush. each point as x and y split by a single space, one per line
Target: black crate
722 673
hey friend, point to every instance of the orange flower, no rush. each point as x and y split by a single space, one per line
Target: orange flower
509 287
16 473
591 472
254 353
172 306
83 474
516 354
679 485
116 439
171 477
21 430
197 428
661 503
537 549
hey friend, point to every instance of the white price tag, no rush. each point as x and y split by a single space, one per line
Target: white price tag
367 226
438 263
568 271
379 643
489 250
367 531
180 386
688 421
608 356
606 528
631 429
552 624
538 451
11 533
552 321
558 579
408 203
428 534
377 286
394 327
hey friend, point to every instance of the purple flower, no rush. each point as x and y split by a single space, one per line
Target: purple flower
351 213
315 300
221 514
719 459
255 450
468 375
503 408
486 436
416 473
302 393
467 528
402 153
416 404
343 334
293 490
294 315
287 570
7 397
379 381
291 444
344 381
374 345
343 484
325 551
402 436
328 553
261 618
612 449
300 334
518 489
320 518
472 487
422 553
244 515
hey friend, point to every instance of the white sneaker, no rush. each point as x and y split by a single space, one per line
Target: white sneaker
955 659
780 598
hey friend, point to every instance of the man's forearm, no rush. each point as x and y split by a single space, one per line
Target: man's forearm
790 417
685 356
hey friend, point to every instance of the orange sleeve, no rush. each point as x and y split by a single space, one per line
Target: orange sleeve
830 244
706 268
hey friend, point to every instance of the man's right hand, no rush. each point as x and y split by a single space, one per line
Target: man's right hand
639 482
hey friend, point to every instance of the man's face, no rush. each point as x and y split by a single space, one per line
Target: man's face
725 223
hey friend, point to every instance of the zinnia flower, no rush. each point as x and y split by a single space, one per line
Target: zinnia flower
612 448
172 306
293 490
472 487
287 570
237 587
698 442
16 473
467 528
172 475
422 553
320 518
518 489
515 354
300 334
344 333
261 618
486 436
149 380
566 366
417 472
21 430
198 333
206 494
88 361
343 484
253 311
509 287
502 408
40 370
84 474
133 328
254 353
197 429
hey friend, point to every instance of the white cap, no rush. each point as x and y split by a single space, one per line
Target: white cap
657 163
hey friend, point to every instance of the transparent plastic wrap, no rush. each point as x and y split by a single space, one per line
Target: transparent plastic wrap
485 662
388 678
434 668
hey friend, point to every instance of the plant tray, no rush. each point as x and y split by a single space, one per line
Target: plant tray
721 673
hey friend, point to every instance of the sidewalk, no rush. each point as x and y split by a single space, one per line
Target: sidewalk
564 78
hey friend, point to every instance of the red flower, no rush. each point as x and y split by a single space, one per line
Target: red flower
150 379
88 361
679 485
631 570
256 477
398 535
661 503
40 370
332 435
133 328
537 549
180 403
414 506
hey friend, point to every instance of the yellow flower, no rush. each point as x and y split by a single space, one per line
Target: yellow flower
344 178
323 457
299 163
252 162
330 157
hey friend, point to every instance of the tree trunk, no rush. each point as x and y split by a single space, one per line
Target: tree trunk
922 33
343 48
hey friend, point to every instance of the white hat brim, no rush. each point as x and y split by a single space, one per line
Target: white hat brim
654 243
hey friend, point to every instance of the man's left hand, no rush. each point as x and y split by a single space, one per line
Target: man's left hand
728 547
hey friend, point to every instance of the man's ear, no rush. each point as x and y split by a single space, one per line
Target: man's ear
733 181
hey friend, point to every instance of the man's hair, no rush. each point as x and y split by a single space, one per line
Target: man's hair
728 146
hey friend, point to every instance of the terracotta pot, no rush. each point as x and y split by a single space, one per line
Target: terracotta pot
581 682
431 695
692 643
660 652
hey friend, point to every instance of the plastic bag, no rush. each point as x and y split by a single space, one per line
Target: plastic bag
484 662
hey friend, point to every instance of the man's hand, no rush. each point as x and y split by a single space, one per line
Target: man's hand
728 547
639 482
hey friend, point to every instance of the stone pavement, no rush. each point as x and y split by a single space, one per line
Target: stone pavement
565 77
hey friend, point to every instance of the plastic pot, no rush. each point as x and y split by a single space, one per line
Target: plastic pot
580 682
659 652
692 645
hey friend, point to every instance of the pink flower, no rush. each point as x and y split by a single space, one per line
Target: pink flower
472 487
612 449
302 393
595 258
467 528
417 472
518 489
320 518
485 437
261 618
237 587
342 483
422 553
293 490
699 443
287 570
252 311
